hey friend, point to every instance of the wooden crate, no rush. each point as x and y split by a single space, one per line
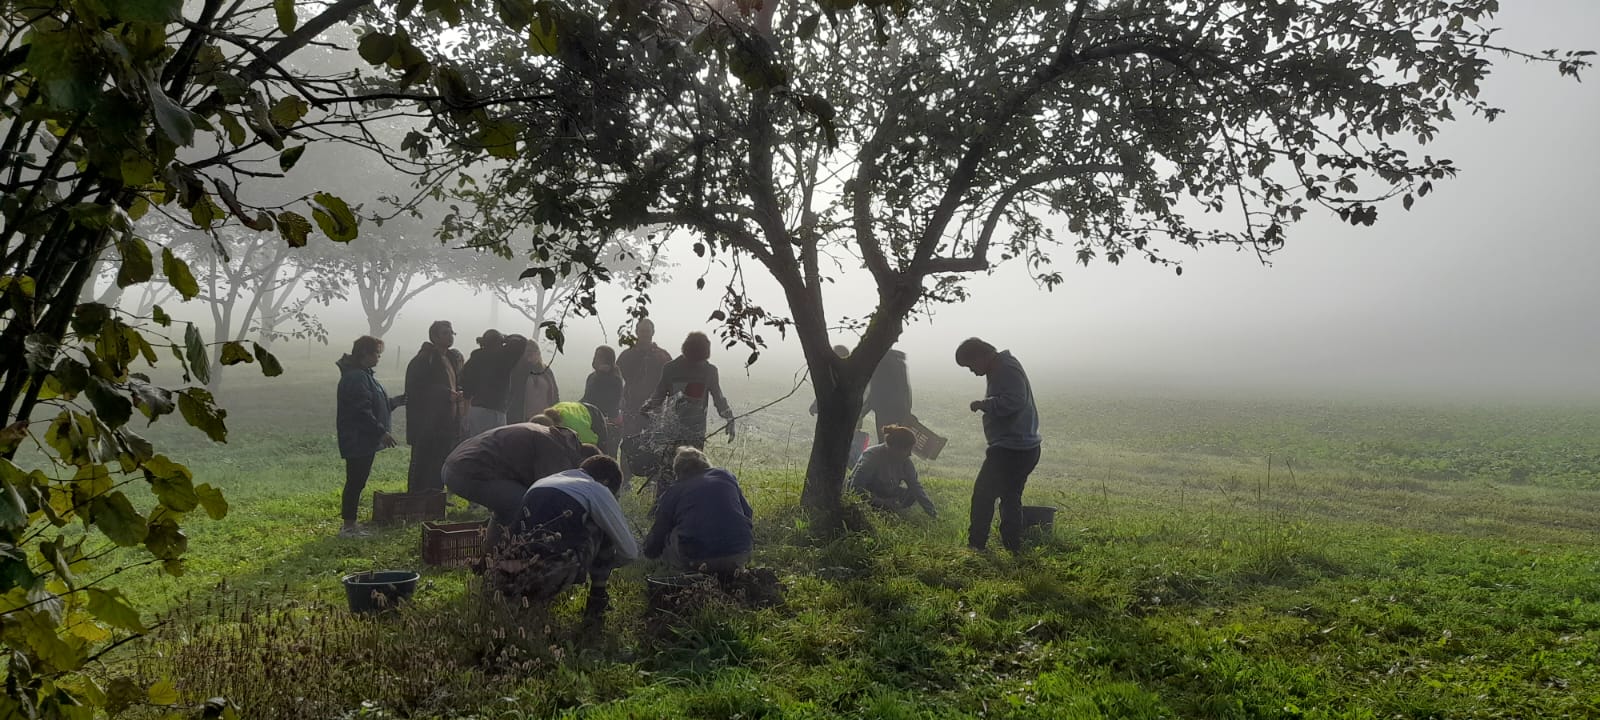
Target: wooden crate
929 443
453 544
392 508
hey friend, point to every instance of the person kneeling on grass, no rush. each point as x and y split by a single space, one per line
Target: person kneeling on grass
885 475
702 520
569 527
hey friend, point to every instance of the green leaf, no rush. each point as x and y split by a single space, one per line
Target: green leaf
138 265
270 366
294 228
808 26
211 499
56 555
198 409
499 138
376 47
13 509
287 111
516 14
234 353
178 275
114 408
175 492
160 316
194 350
112 608
289 157
335 218
159 12
175 121
286 17
234 129
136 170
165 539
164 692
544 34
114 515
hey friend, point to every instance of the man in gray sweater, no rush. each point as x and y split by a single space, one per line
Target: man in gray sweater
1011 427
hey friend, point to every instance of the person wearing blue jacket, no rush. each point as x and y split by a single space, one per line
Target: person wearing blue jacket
362 422
703 522
1011 427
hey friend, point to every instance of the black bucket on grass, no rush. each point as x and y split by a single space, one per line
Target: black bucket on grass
1039 519
377 590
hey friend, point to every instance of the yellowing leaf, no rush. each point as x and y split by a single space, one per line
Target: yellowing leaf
178 274
286 17
164 692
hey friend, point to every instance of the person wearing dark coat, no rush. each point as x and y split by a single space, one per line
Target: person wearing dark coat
640 366
889 393
484 380
433 407
362 422
495 468
702 521
603 390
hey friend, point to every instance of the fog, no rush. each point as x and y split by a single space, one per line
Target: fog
1484 291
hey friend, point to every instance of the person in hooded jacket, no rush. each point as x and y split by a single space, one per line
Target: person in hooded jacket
531 387
435 407
484 379
702 521
362 422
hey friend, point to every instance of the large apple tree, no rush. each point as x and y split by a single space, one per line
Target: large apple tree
930 141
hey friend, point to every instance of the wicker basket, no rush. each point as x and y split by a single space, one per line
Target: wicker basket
390 508
929 443
453 544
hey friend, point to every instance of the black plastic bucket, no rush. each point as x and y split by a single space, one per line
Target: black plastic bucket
378 590
1039 518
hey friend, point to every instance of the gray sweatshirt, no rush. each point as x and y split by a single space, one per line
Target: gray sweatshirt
602 506
1010 419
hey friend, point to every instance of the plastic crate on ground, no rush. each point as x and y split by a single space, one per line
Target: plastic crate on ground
453 544
391 508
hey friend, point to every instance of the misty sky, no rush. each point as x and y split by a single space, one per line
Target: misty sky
1486 289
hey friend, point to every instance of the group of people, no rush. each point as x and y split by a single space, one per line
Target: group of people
493 430
885 476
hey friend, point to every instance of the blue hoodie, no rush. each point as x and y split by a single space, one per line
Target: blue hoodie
708 512
362 410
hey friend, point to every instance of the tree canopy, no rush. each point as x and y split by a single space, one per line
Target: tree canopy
928 142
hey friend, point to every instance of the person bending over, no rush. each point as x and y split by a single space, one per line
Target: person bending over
885 475
495 468
569 528
702 520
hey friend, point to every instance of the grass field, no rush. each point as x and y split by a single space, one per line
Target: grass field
1212 559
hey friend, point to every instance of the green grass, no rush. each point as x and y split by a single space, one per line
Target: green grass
1395 564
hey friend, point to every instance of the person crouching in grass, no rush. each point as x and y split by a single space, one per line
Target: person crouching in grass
885 476
703 522
570 528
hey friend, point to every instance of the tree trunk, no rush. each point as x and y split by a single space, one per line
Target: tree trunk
839 402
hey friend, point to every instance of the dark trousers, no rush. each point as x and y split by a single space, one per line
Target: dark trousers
427 465
1002 477
356 472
